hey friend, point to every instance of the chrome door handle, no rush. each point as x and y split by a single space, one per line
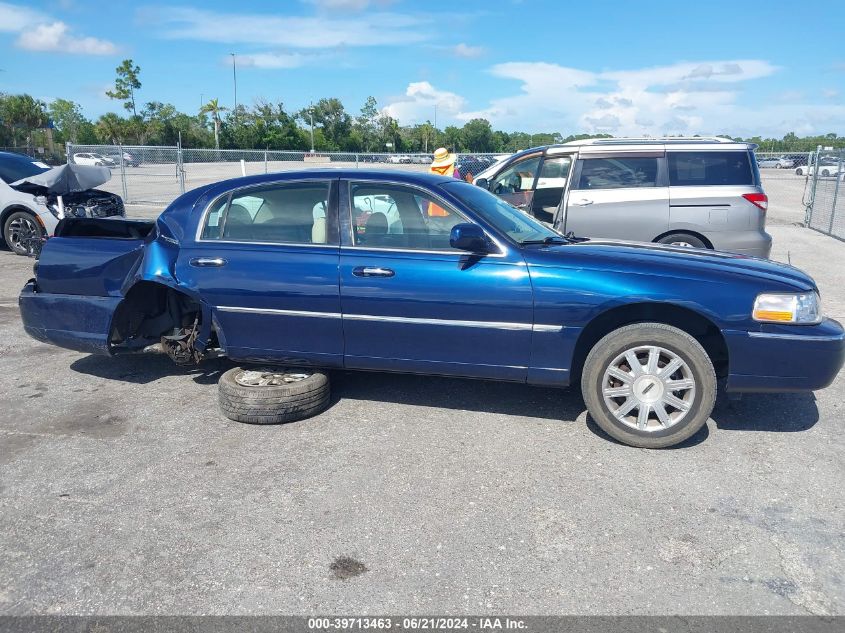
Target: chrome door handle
372 271
583 202
203 262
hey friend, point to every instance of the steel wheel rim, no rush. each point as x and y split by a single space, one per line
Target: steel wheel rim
266 377
19 230
648 388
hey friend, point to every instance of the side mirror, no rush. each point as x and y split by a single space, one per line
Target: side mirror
468 237
483 183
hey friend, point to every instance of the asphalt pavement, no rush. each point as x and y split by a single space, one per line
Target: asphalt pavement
123 490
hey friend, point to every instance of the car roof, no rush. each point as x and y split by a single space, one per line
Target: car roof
394 175
17 156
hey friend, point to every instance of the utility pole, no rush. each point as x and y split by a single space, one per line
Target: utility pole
311 112
202 100
435 116
235 82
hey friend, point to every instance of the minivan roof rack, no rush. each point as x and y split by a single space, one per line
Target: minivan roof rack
650 140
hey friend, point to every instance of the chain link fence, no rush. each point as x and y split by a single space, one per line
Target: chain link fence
157 175
806 184
826 193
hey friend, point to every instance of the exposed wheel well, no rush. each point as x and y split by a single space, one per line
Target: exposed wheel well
151 310
691 322
707 242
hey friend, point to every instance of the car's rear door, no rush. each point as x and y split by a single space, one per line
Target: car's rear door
266 259
620 195
412 303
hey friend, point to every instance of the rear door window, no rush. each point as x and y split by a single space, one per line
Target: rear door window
617 173
709 168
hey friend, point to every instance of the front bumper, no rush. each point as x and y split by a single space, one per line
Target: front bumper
785 357
76 322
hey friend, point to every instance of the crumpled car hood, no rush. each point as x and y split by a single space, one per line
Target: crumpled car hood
64 179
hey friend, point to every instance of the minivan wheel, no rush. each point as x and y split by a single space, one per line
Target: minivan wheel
270 395
20 230
649 385
682 239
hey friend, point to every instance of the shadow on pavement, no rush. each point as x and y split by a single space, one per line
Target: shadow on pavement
782 412
145 368
778 412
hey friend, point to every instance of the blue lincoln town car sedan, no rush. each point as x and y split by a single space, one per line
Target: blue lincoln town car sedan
393 271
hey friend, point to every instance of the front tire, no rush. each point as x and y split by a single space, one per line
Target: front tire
20 231
271 395
649 385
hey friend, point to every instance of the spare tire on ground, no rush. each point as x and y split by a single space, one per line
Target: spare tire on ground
270 395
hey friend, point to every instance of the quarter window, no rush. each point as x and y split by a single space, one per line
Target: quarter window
393 216
618 173
292 213
709 168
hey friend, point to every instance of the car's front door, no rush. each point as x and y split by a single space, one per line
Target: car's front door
551 183
624 196
266 259
412 303
515 183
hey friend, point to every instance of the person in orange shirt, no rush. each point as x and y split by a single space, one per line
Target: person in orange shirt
442 165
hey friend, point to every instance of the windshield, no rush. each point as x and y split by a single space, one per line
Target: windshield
14 168
519 226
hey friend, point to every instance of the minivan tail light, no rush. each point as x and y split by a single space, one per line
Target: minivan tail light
759 200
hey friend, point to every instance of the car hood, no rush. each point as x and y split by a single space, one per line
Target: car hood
64 179
682 262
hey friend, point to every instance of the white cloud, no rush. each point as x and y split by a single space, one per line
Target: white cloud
682 98
467 51
310 32
270 60
419 103
56 37
38 32
346 5
14 18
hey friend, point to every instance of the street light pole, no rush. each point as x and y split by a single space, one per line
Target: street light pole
235 82
311 112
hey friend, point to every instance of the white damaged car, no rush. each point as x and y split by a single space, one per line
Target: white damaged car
34 197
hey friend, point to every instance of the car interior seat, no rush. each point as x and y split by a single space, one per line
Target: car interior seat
238 222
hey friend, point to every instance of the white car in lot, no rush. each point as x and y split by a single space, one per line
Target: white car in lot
778 162
90 158
828 166
30 212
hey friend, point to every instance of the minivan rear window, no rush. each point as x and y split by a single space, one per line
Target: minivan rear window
709 168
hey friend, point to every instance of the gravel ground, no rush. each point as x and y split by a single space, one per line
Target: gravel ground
124 491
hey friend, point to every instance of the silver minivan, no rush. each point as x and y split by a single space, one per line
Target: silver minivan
697 192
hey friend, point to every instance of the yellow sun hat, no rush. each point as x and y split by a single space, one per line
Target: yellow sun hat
442 158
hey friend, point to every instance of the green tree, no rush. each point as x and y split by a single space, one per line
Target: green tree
367 124
126 84
330 116
112 129
214 108
478 135
68 119
22 115
453 138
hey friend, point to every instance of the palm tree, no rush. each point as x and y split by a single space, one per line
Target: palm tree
214 109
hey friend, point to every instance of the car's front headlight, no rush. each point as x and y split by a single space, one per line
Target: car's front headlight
802 307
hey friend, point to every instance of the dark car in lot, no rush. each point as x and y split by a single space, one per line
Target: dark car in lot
399 271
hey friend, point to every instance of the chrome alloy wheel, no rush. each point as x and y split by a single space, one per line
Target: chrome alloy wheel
681 243
21 231
648 388
269 377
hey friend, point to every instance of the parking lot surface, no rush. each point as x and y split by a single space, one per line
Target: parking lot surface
123 490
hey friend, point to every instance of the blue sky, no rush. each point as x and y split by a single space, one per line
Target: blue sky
741 67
